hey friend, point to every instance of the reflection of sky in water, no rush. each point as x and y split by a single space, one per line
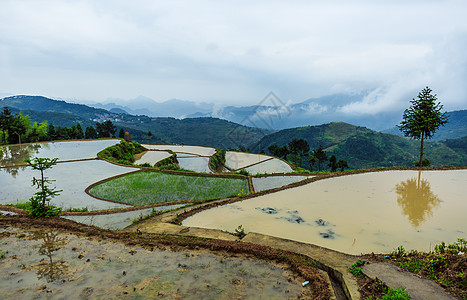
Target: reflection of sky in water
271 182
119 220
195 163
71 177
271 166
366 212
73 150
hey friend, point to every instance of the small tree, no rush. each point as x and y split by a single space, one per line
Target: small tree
299 147
320 156
121 133
90 133
40 201
312 161
333 163
423 118
342 164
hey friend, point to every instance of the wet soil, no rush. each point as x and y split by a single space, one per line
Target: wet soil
318 287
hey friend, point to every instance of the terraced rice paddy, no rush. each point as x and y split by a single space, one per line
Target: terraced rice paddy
154 187
151 157
239 160
71 177
69 150
51 265
372 212
197 150
270 166
199 164
272 182
118 221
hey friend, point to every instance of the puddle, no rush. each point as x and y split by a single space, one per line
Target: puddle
5 212
272 182
51 265
71 177
118 220
197 150
372 212
72 150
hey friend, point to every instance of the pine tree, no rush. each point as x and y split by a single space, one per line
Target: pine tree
423 118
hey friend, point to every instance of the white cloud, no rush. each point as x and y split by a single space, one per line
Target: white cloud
235 52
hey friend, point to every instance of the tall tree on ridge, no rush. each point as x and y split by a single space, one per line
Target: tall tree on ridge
423 118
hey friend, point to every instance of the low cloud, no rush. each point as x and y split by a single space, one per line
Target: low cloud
235 53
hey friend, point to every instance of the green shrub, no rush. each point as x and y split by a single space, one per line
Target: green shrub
243 172
169 163
240 232
217 162
356 268
396 294
425 163
122 152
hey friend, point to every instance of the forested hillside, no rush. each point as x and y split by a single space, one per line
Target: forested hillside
197 131
365 148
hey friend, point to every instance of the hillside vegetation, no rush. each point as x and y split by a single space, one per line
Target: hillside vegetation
365 148
196 131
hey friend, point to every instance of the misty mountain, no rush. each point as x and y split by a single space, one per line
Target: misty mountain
313 111
146 106
455 128
270 113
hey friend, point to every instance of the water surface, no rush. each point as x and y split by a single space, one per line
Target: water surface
71 177
372 212
58 266
68 150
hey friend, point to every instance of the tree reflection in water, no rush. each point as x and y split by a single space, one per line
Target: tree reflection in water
416 199
49 269
16 154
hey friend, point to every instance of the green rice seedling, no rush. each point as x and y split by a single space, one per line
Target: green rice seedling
143 188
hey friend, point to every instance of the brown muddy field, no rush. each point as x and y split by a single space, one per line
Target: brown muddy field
299 268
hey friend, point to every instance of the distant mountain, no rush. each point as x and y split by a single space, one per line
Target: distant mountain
197 131
277 114
43 104
365 148
146 106
455 128
270 113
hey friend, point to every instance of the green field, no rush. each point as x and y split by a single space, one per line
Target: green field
143 188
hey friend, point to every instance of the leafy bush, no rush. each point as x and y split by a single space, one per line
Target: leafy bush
425 163
243 172
122 152
240 232
396 294
356 268
217 162
169 163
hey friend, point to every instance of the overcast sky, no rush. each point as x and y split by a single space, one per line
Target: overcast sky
235 52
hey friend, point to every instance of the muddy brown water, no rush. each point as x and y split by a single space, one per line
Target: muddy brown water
372 212
52 265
